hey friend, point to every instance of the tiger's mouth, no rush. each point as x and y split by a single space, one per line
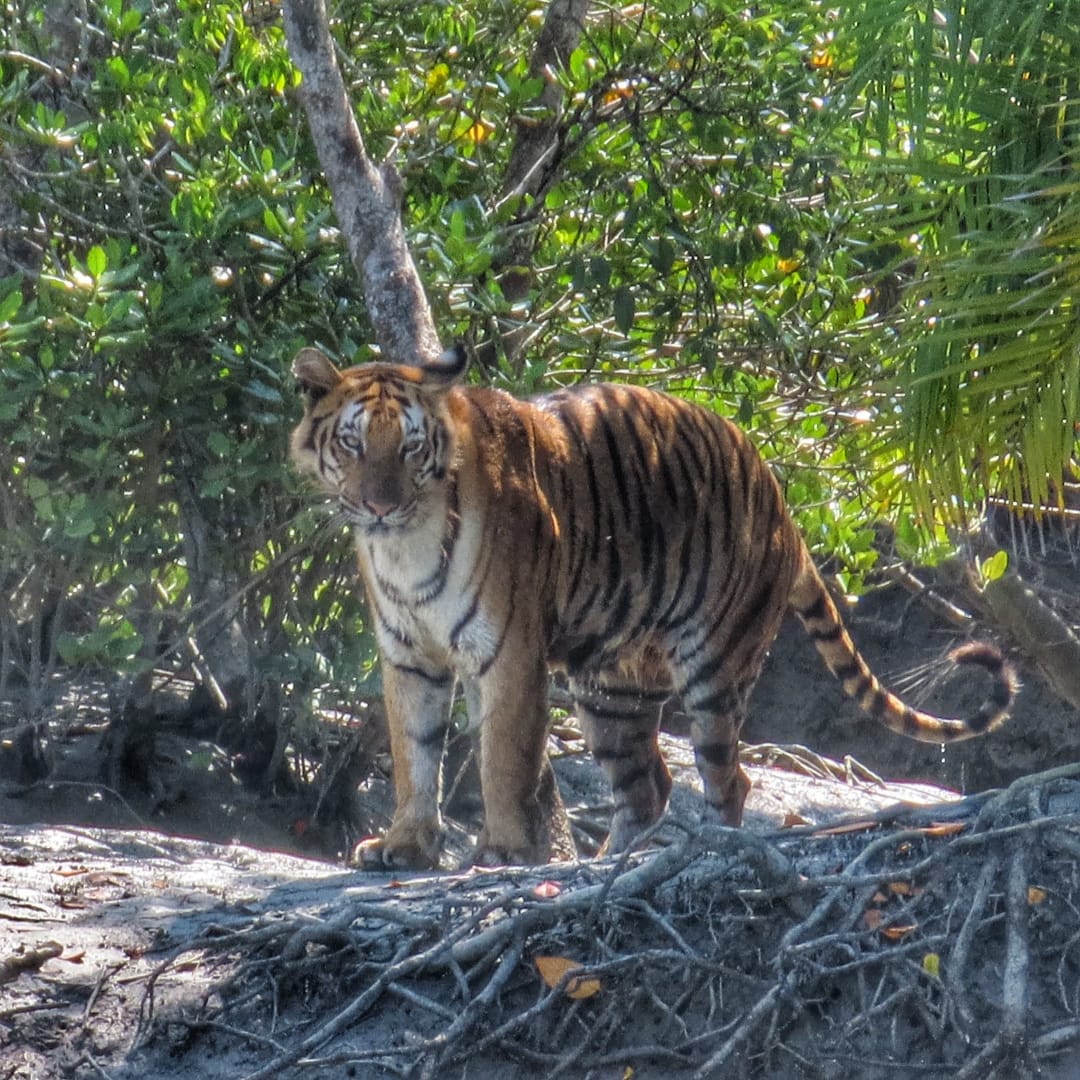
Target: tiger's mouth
396 520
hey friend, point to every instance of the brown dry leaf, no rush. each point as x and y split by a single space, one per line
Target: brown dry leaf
902 888
71 871
872 917
850 827
547 890
944 828
791 820
552 970
106 877
1036 895
75 957
898 933
72 903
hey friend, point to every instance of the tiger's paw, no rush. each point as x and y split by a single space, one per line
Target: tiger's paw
490 852
417 849
490 857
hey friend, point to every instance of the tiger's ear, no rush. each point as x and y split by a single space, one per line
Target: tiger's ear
315 373
449 367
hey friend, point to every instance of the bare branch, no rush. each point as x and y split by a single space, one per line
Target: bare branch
367 196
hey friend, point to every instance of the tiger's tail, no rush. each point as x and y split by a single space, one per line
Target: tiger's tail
811 601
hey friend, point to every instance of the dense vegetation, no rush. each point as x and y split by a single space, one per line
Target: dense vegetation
853 228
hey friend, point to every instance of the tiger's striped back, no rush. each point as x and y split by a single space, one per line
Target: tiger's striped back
631 538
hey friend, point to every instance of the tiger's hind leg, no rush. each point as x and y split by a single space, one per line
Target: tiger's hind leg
716 716
621 723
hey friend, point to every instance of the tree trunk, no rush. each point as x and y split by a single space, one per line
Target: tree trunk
367 196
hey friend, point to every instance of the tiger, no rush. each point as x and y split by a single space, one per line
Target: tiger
633 541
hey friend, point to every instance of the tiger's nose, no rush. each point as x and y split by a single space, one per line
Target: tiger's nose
379 509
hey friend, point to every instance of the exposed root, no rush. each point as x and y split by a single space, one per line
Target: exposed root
908 944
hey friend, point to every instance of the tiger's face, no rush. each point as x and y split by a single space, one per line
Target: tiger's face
376 437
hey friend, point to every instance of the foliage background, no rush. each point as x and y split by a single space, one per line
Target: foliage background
853 228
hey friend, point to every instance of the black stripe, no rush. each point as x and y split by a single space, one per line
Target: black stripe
850 670
605 711
659 580
685 553
751 609
486 665
719 703
620 615
700 472
603 422
465 619
436 678
703 579
817 610
396 633
433 585
614 570
634 776
430 738
569 420
583 694
717 755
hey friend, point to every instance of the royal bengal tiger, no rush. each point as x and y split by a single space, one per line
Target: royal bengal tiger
634 540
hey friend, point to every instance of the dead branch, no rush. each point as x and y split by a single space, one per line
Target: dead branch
723 943
367 196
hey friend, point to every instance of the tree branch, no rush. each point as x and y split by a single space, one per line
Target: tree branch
367 196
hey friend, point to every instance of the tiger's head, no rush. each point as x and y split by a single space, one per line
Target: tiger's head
376 436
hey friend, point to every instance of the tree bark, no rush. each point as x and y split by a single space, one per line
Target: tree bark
367 196
531 166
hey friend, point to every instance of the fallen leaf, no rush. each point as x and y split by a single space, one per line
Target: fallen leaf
1035 894
75 958
931 964
106 877
791 820
554 968
902 888
898 933
873 918
547 890
71 871
944 828
850 827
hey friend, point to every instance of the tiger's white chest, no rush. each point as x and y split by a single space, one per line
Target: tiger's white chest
428 605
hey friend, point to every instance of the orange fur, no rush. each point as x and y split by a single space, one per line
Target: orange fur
634 540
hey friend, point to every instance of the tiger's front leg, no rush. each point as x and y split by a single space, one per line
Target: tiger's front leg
520 794
418 712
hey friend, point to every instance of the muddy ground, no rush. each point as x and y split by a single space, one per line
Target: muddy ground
97 891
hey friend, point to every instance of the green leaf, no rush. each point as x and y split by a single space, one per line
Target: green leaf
119 71
624 308
97 262
9 306
220 443
993 568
